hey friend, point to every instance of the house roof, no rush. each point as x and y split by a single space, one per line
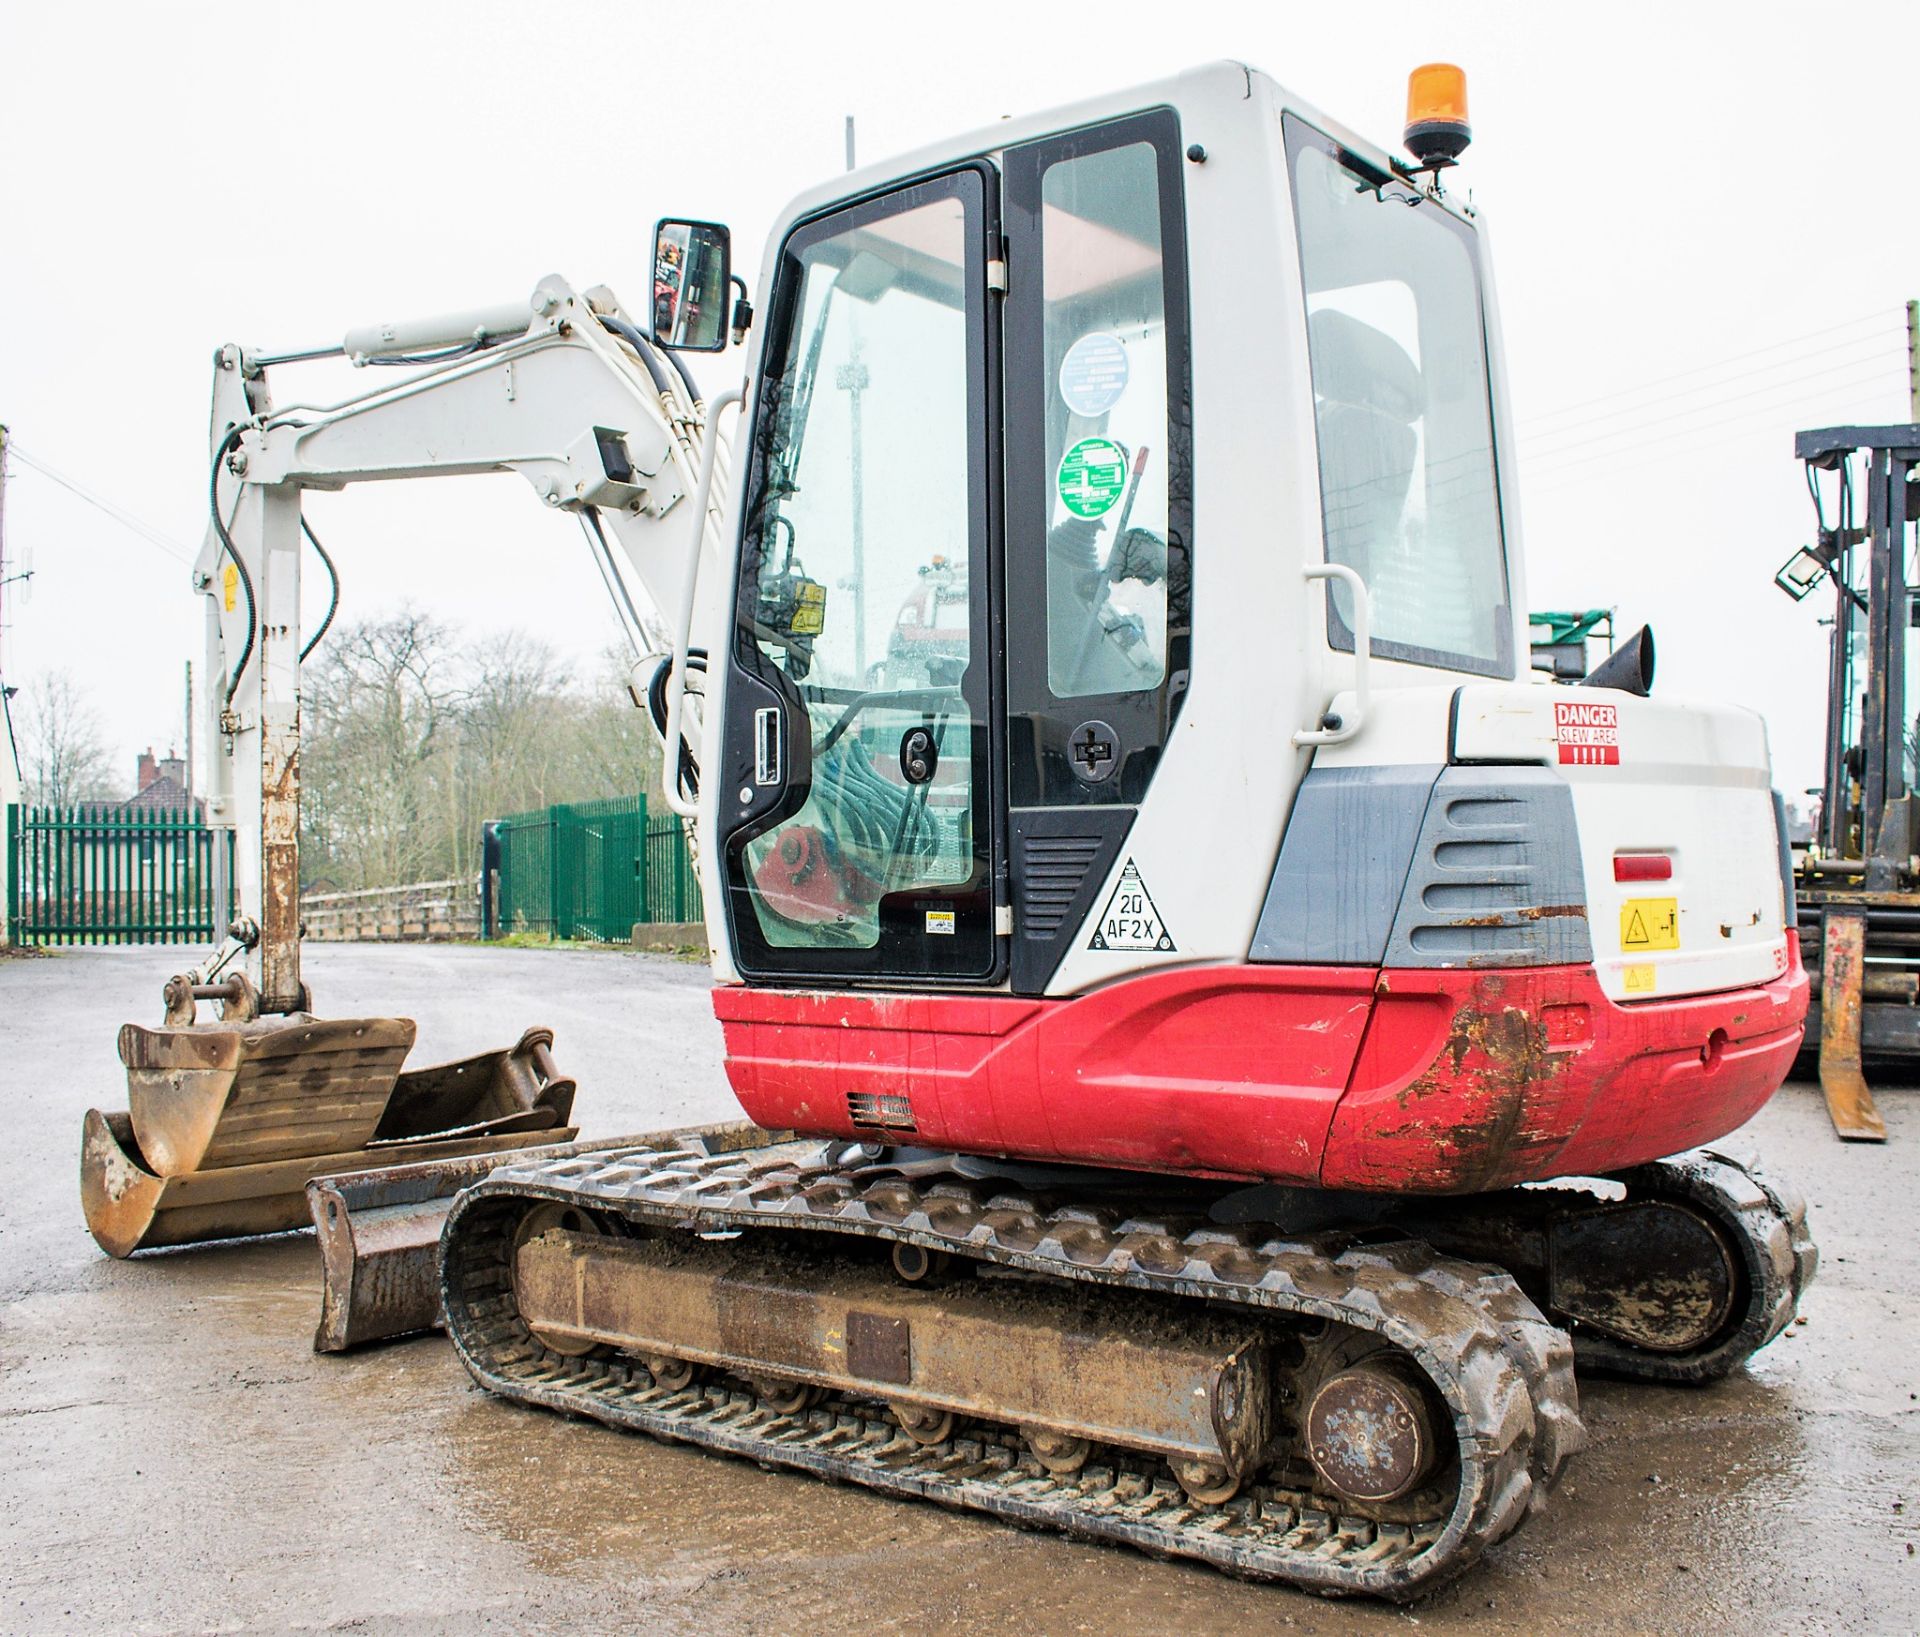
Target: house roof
163 794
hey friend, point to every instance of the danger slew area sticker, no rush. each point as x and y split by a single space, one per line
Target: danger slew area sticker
1130 921
1588 735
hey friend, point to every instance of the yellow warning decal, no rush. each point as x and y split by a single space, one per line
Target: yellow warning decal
229 583
1649 923
1639 979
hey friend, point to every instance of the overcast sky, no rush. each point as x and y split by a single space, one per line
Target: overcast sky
1703 221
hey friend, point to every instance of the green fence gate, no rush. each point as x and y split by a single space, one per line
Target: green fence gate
592 870
99 874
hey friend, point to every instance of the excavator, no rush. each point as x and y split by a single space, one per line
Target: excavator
1223 1041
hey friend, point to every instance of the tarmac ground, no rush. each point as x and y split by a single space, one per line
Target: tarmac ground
175 1458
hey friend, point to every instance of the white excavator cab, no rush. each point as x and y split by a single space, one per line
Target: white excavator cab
1136 369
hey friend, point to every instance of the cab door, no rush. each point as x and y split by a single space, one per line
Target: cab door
861 809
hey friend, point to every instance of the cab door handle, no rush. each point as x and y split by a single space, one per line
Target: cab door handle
767 762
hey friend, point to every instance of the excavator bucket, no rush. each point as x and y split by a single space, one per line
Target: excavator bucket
227 1123
380 1235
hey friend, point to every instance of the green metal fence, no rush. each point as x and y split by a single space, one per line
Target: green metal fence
98 874
592 870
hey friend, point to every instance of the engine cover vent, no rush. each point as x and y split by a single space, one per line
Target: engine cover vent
885 1110
1055 866
1496 877
1061 855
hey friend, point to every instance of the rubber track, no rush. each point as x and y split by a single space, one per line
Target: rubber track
1765 1222
1504 1372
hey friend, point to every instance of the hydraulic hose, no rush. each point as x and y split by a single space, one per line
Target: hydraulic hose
650 350
693 392
643 348
333 603
689 772
226 541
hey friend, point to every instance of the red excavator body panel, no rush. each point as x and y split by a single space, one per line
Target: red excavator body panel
1402 1081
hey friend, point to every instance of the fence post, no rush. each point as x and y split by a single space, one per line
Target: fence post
13 871
680 872
642 868
489 863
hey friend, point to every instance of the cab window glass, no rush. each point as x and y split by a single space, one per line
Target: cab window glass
861 585
1397 347
1105 331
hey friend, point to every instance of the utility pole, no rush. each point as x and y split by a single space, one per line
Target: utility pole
1913 341
3 541
189 704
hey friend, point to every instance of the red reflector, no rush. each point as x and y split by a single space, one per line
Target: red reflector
1642 867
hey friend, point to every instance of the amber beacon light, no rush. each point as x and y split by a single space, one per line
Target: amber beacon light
1437 129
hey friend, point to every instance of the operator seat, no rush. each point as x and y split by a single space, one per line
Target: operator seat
1368 394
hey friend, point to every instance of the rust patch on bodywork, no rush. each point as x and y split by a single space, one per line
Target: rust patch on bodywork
1471 1106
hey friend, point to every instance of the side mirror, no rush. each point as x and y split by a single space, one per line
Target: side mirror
692 269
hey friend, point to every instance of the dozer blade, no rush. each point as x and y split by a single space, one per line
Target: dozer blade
1842 968
380 1240
226 1124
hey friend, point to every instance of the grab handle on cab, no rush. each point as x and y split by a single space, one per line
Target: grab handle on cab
1339 730
683 616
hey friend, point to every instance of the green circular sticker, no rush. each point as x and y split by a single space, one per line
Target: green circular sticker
1092 477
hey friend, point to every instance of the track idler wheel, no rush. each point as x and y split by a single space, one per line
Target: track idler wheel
1370 1432
924 1425
674 1374
1206 1483
1061 1453
916 1265
786 1397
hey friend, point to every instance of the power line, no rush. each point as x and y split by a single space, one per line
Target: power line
1550 476
1874 347
1636 432
1876 317
124 518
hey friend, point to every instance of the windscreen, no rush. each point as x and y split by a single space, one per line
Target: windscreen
1397 342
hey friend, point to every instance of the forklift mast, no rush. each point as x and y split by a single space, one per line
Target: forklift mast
1859 897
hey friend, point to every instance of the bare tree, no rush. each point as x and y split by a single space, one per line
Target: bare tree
64 752
377 711
413 738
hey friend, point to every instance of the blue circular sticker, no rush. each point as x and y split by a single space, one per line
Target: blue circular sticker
1093 375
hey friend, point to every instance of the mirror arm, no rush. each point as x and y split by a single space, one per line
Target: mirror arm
742 310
